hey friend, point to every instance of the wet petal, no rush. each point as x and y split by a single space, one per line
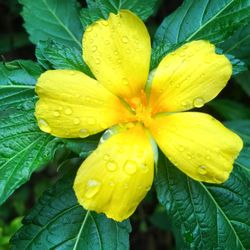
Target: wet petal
117 51
189 77
116 177
72 105
197 144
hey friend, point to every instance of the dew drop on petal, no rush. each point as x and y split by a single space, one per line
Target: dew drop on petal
106 157
97 61
198 102
68 111
202 170
104 23
181 148
76 121
44 126
72 72
148 188
125 39
111 166
130 167
83 133
94 48
144 168
93 187
56 113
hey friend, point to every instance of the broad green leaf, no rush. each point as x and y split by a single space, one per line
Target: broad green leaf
205 19
53 19
229 109
244 81
59 222
101 8
238 44
23 148
53 55
244 159
19 72
206 216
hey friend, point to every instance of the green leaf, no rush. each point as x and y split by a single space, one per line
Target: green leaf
102 8
243 160
19 72
244 81
205 19
206 216
238 44
242 128
53 19
53 55
59 222
23 148
229 109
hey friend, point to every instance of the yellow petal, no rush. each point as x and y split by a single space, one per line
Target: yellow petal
73 105
189 77
116 177
197 144
117 51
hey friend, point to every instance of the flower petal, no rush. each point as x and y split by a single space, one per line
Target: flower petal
197 144
116 177
73 105
117 51
189 77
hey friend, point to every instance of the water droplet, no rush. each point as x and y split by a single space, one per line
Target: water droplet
125 81
125 39
83 133
44 126
93 187
144 168
202 170
148 188
76 121
181 148
97 61
189 156
105 23
94 48
89 29
68 111
128 51
139 187
111 166
208 157
56 113
198 102
72 72
60 108
106 157
91 121
130 167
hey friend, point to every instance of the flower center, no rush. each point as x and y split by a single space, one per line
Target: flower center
140 106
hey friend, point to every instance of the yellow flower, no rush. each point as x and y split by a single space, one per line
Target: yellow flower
145 108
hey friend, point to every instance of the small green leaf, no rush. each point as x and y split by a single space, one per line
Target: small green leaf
59 222
53 19
243 160
205 19
19 72
53 55
23 148
206 216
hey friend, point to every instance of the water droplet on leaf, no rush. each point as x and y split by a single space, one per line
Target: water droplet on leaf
68 111
56 113
93 187
125 39
198 102
111 166
44 126
202 170
130 167
83 133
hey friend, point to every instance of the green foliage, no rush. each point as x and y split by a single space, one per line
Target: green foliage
53 55
206 216
229 109
23 148
59 222
53 19
101 8
238 44
206 19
